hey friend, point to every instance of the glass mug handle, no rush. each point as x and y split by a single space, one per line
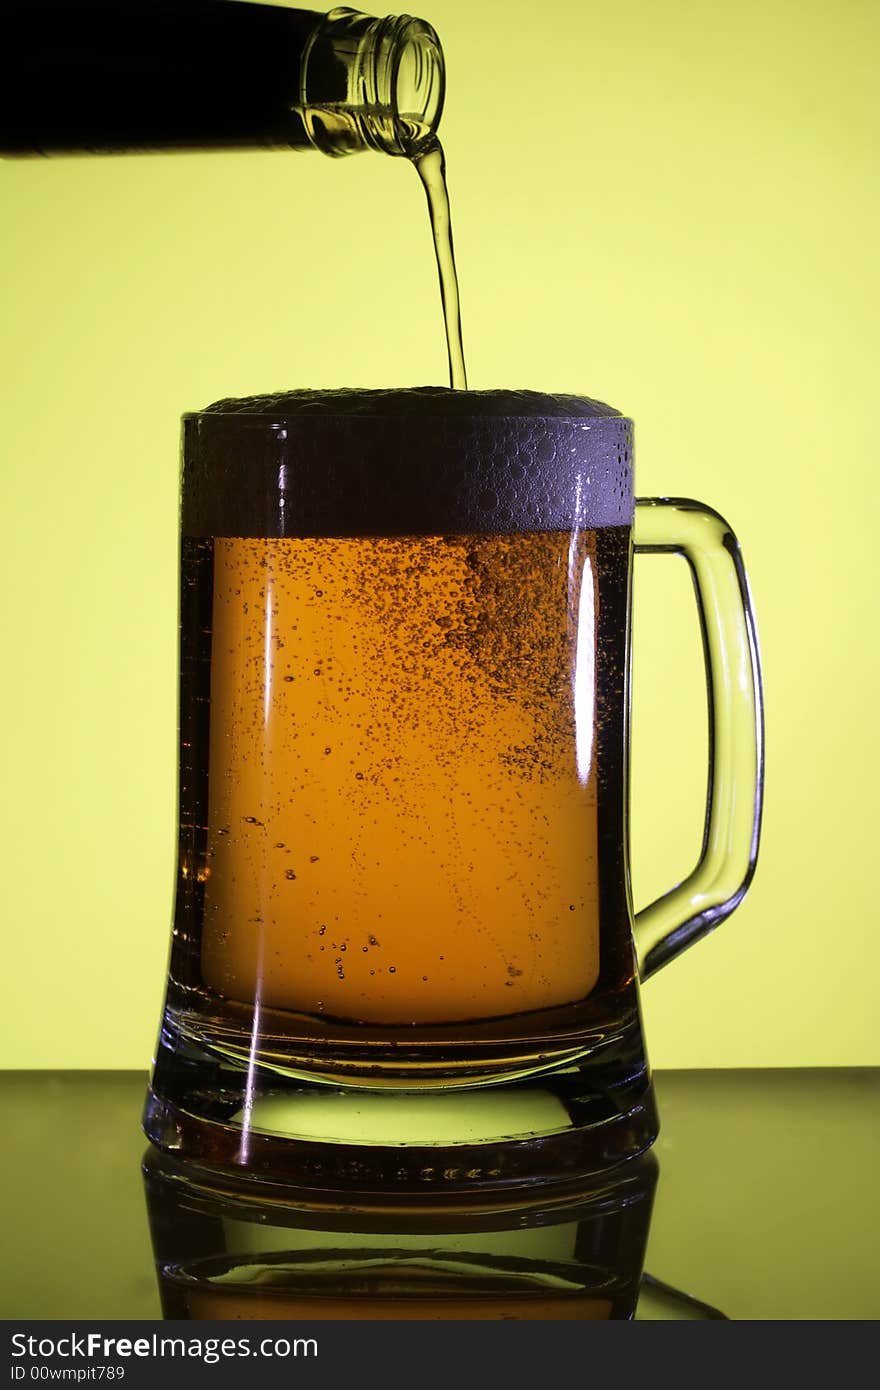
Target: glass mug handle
678 526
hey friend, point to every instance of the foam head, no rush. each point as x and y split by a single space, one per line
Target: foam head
416 461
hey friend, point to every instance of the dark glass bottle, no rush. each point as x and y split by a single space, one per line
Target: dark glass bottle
152 75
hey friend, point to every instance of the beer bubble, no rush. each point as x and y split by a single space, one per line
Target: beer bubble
289 873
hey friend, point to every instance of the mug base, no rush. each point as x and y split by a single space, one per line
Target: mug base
554 1128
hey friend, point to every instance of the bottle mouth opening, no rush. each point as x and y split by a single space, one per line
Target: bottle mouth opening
418 85
407 83
372 84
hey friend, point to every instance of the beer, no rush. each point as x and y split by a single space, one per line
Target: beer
431 168
396 802
402 759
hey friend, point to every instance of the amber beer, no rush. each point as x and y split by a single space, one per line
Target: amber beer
402 725
396 799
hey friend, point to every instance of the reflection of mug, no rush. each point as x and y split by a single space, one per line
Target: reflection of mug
404 706
228 1249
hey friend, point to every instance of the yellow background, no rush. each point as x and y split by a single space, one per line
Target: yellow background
670 206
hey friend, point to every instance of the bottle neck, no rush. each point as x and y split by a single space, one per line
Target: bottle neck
372 84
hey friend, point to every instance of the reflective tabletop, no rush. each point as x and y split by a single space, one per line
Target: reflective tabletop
765 1208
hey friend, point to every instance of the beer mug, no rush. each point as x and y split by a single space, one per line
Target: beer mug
403 854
